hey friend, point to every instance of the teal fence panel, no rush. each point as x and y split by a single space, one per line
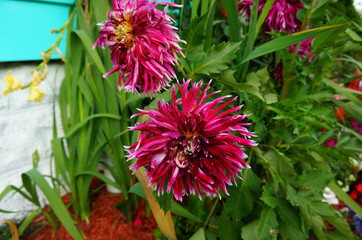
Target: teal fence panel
25 27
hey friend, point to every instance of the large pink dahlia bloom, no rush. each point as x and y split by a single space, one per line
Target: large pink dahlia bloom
190 146
143 44
281 16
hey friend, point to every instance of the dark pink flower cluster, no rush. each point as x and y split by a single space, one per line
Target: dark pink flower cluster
193 145
281 16
143 44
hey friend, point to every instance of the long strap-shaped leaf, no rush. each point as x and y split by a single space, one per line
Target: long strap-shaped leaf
345 198
164 221
287 41
55 202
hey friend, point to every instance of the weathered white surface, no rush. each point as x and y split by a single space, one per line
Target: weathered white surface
24 127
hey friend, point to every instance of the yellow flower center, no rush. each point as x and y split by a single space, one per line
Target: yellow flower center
124 33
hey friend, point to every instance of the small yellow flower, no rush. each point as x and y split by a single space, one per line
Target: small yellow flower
35 94
11 83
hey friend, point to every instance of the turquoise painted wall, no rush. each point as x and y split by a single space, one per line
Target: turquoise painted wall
25 27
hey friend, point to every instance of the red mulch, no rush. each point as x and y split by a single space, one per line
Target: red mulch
105 221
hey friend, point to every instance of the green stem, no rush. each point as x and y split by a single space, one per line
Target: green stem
288 78
211 211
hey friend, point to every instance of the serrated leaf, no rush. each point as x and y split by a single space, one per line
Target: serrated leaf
353 35
287 213
288 232
271 98
227 78
267 225
315 180
267 196
293 198
242 198
216 59
281 163
322 208
194 33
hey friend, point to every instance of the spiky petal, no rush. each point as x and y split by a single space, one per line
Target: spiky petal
281 16
143 44
189 146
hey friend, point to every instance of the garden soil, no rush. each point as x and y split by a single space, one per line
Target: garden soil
105 221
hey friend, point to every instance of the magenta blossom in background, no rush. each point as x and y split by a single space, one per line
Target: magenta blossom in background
304 49
281 16
143 44
189 146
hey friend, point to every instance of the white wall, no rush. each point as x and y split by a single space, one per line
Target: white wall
24 127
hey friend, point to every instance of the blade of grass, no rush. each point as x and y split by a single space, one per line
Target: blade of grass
263 15
55 202
287 41
195 6
251 39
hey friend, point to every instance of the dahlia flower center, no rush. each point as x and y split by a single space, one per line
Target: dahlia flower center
124 33
181 160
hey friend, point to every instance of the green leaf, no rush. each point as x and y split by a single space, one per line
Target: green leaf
216 59
322 208
348 93
268 224
227 78
27 221
288 232
250 231
267 196
286 41
55 202
179 210
318 226
287 213
242 199
138 190
198 235
271 98
263 15
351 108
281 163
315 180
232 15
352 34
104 179
88 45
192 36
80 124
164 201
227 229
35 159
340 224
293 198
344 197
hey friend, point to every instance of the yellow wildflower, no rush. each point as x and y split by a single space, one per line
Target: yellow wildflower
35 94
11 83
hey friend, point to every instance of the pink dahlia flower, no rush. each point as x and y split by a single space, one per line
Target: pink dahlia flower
143 44
281 16
189 146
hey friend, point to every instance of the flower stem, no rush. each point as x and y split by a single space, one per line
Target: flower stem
288 78
211 211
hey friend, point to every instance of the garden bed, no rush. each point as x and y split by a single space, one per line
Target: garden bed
105 221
